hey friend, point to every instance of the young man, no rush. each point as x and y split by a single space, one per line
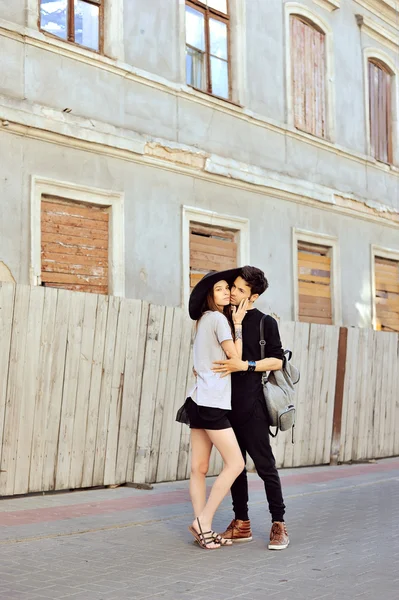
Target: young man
249 415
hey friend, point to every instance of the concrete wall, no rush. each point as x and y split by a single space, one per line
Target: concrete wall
110 103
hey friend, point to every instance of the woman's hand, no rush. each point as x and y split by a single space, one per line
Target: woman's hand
238 313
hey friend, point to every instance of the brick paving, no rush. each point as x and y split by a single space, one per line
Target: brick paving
123 543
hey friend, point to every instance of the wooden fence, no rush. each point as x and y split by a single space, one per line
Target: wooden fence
90 385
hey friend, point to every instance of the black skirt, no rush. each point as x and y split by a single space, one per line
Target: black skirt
203 417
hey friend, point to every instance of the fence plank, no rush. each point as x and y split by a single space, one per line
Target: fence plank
171 431
72 362
394 402
148 393
395 359
312 391
43 390
95 390
14 390
78 437
330 356
24 431
180 395
138 380
115 401
54 406
130 398
160 394
349 397
301 352
105 394
184 450
7 293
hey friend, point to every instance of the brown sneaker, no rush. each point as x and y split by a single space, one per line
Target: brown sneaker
279 539
238 531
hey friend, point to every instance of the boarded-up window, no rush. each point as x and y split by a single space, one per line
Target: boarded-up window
380 112
387 293
314 283
74 252
211 248
308 60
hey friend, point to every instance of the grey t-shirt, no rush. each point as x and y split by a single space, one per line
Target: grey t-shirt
212 390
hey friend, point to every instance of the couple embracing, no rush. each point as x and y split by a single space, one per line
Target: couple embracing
227 408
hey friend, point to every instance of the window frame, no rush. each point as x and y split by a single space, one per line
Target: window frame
383 59
320 239
70 39
296 9
69 191
208 217
208 13
379 252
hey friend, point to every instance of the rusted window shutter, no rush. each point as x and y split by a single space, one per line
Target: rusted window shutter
308 60
387 293
314 283
211 248
380 112
74 250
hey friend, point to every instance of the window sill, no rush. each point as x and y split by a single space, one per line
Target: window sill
208 95
51 36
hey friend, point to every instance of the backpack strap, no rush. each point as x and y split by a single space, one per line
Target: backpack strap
262 340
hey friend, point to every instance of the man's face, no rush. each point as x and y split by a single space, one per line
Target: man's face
240 290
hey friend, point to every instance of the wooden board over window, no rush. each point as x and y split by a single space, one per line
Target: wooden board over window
211 248
314 283
74 250
387 293
380 112
308 60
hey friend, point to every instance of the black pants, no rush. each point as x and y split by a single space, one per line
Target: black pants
253 438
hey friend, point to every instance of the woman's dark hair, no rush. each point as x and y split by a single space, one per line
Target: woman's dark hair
210 304
255 278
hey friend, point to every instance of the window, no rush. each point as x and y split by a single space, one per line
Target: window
211 248
207 46
308 76
79 21
386 293
317 289
75 241
314 283
211 241
380 111
77 237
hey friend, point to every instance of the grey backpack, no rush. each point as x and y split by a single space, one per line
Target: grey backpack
278 390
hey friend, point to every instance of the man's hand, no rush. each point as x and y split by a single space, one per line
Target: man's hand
225 367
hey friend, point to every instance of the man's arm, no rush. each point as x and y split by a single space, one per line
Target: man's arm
234 365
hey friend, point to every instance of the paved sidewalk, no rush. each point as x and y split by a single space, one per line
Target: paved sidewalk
123 543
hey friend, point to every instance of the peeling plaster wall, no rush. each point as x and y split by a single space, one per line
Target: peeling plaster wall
153 201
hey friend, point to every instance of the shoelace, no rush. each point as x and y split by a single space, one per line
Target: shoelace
276 530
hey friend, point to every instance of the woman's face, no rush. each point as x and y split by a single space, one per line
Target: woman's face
221 294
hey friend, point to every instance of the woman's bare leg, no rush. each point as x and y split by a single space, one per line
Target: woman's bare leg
201 447
226 442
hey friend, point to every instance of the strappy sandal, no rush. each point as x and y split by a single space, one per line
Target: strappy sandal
203 539
218 539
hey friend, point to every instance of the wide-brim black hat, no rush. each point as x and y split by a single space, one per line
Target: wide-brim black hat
199 293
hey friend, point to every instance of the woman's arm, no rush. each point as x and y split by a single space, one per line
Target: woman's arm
234 349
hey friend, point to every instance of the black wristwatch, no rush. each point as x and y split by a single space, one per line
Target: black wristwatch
251 365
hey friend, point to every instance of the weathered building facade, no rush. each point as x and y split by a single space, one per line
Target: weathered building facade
144 142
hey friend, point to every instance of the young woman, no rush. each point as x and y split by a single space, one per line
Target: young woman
219 334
